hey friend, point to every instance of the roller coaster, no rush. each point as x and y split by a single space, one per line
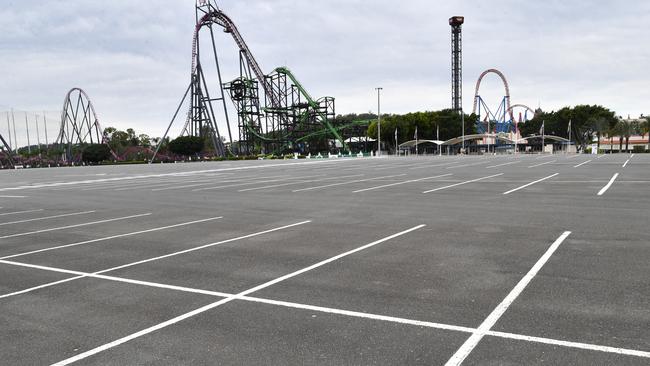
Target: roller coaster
502 119
287 118
6 153
79 125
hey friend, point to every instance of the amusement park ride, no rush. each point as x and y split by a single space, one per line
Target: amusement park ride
7 151
79 124
286 118
500 122
489 123
274 112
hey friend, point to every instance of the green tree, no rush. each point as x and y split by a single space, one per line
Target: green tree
108 131
633 128
611 133
145 140
600 126
186 145
132 138
116 139
96 153
448 121
587 121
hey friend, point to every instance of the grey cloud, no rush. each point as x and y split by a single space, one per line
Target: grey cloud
133 57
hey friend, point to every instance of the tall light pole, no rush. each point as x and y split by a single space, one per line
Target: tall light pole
379 120
9 131
462 121
29 147
47 143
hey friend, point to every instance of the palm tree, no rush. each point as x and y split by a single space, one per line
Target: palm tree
600 126
626 130
618 130
646 128
611 133
637 129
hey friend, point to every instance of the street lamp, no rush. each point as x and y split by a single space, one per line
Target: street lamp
379 120
462 121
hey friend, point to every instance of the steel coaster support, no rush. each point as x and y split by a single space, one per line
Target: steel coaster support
79 123
180 105
289 112
315 105
8 150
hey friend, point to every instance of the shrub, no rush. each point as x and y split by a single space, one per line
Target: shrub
186 145
96 153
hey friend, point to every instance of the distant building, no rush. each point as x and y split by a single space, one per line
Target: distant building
613 143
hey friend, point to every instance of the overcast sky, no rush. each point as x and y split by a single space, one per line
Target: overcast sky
133 57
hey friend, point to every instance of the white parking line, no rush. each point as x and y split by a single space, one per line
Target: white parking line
253 182
170 184
624 165
299 182
504 164
202 247
12 196
581 164
548 162
348 313
601 156
577 345
74 226
462 183
391 166
134 185
203 309
113 237
138 262
427 165
183 185
400 183
20 212
496 314
348 182
531 183
46 218
182 174
465 165
28 290
609 185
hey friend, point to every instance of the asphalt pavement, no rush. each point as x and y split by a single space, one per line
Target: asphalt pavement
476 260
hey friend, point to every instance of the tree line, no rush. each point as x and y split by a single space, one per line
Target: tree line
586 121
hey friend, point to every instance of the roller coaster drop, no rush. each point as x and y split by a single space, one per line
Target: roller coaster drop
503 119
79 125
290 118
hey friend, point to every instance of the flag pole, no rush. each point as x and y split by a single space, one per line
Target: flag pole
396 146
417 153
543 137
516 135
438 138
569 137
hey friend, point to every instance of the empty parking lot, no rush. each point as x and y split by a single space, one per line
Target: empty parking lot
437 260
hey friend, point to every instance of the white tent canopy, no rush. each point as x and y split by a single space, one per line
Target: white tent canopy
460 139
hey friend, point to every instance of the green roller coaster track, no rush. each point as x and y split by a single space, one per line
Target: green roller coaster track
313 104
